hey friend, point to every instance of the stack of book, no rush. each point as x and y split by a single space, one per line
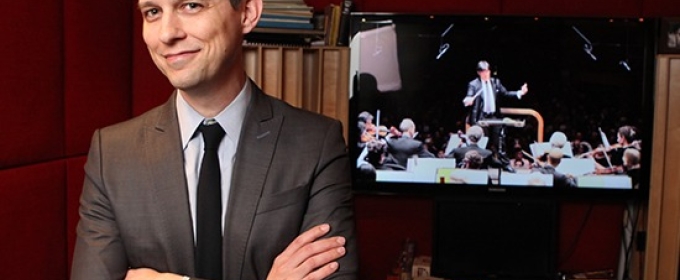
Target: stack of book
336 23
287 14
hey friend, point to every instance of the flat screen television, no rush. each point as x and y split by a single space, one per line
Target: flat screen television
574 95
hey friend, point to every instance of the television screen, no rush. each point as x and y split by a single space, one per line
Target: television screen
505 104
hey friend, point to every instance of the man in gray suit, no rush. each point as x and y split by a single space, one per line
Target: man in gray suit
285 194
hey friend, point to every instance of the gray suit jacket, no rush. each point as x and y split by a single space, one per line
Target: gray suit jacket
291 173
475 88
402 148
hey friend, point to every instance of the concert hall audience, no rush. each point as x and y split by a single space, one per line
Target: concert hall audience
518 161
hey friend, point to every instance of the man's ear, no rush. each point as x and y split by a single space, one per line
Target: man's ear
251 14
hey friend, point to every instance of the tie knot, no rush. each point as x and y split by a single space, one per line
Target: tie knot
212 134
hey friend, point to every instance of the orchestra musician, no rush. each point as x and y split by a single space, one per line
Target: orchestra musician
557 140
560 180
401 148
472 160
631 165
474 134
372 148
366 128
609 158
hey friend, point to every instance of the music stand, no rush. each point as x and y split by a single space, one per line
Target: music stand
502 123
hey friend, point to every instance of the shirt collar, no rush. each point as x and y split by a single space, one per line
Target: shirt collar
230 118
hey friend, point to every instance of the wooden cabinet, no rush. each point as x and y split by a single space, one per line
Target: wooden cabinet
313 78
663 226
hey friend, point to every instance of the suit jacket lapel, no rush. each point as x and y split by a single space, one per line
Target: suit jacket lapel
165 158
256 147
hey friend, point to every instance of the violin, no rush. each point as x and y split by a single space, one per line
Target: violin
601 151
463 139
609 170
373 132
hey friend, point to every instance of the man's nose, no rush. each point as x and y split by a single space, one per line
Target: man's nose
171 28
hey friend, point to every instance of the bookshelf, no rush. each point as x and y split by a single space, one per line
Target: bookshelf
312 78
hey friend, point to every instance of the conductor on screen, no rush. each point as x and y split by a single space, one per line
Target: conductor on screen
482 95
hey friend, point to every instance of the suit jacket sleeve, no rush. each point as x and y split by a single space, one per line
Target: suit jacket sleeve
292 173
472 89
331 199
99 251
475 111
500 88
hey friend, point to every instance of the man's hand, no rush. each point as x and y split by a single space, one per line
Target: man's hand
309 257
467 101
524 89
150 274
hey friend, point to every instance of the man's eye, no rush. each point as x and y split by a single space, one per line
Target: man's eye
151 13
191 6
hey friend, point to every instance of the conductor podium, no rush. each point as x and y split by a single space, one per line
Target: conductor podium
499 126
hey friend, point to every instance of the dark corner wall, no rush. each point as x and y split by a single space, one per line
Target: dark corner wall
72 66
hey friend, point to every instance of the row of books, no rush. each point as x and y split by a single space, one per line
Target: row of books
293 22
336 23
290 14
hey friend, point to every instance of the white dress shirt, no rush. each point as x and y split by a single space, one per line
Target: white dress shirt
489 98
231 120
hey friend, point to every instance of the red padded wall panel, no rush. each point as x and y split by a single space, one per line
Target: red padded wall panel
75 174
590 236
627 8
431 6
31 105
666 8
149 87
32 219
97 68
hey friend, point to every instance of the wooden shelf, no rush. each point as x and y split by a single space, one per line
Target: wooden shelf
312 78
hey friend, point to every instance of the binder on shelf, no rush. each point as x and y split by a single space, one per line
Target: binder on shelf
332 23
343 25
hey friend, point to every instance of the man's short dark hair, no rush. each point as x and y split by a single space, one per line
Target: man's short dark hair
483 65
235 3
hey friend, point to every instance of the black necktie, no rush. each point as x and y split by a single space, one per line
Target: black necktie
209 207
